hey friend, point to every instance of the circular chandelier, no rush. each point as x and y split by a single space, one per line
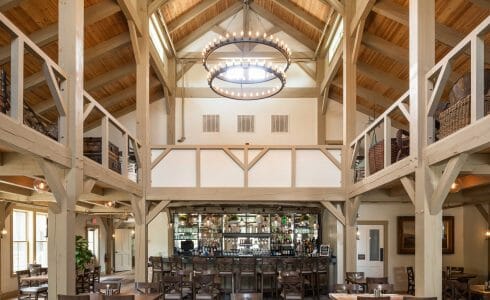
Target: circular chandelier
242 78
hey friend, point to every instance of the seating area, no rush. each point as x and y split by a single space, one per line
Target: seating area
245 149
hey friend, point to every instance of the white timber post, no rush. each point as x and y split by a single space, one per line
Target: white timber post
428 226
61 227
349 126
321 121
142 131
171 102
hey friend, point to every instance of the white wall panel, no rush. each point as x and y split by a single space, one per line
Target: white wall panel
177 169
218 170
314 169
273 170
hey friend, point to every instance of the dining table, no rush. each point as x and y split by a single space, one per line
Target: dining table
462 276
479 289
37 278
153 296
344 296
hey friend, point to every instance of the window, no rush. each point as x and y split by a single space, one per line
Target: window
245 123
20 241
157 36
210 123
42 239
93 241
337 38
279 123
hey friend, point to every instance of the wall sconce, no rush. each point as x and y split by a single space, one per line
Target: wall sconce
132 232
113 235
487 234
456 186
358 234
3 232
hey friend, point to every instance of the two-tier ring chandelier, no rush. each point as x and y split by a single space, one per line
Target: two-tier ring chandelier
247 77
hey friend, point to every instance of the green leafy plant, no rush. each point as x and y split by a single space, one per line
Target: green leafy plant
233 218
82 254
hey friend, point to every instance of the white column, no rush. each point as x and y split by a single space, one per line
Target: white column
142 131
428 227
61 226
349 126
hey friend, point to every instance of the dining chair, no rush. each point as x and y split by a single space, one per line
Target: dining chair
373 298
348 288
307 272
224 267
73 297
418 298
26 291
146 287
172 288
322 270
384 287
156 263
118 297
354 277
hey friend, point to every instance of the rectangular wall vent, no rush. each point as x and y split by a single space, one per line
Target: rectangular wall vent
245 123
210 123
279 123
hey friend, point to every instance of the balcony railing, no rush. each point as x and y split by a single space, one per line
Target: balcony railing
367 151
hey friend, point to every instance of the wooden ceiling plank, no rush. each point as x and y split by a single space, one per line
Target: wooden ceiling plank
481 3
49 34
300 13
92 84
335 4
90 55
230 11
284 25
122 95
307 55
382 77
14 189
8 4
444 34
155 5
190 14
386 48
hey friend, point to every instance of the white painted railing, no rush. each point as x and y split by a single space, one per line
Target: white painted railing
130 144
364 140
27 139
245 166
438 76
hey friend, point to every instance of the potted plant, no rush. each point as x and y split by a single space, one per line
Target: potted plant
82 254
233 218
183 220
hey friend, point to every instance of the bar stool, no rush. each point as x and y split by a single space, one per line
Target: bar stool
199 264
247 268
290 264
225 271
321 273
268 271
175 264
307 268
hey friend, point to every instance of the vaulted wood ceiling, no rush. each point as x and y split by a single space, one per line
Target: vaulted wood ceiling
110 67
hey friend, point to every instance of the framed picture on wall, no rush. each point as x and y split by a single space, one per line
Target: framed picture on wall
406 235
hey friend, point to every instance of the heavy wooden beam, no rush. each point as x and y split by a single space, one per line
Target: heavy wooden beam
386 48
131 13
155 5
483 213
306 56
159 69
14 189
335 4
300 13
285 93
481 3
156 210
337 213
443 184
409 186
230 11
8 4
286 27
93 14
326 28
382 77
363 8
190 14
